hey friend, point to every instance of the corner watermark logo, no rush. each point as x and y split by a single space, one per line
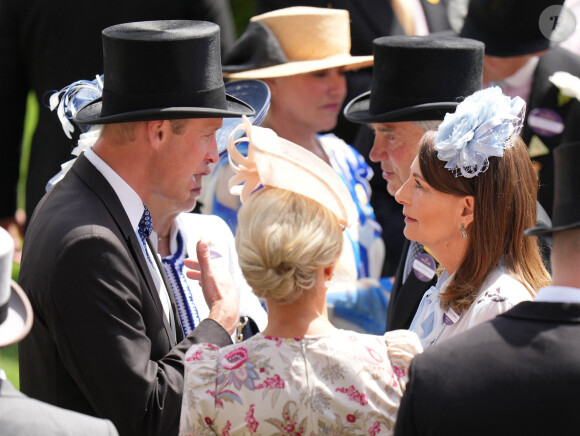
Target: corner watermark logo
557 23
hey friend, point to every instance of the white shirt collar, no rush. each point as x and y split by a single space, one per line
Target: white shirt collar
558 294
130 200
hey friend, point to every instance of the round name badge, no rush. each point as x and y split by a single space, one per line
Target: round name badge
545 122
424 267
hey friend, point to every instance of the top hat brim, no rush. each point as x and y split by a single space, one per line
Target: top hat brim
357 111
301 67
91 113
543 230
18 321
254 92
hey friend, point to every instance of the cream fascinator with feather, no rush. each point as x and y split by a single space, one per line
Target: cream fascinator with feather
276 162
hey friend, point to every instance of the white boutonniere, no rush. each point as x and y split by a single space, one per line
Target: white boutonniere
568 84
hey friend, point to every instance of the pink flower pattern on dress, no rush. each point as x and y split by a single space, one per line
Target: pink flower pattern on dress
237 370
354 395
375 428
227 428
275 339
251 423
234 359
198 355
272 385
398 372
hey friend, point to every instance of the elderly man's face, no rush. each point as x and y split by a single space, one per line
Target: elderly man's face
395 147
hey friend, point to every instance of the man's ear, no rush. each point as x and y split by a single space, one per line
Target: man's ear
468 212
156 132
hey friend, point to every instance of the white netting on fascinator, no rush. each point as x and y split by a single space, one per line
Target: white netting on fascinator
483 125
275 162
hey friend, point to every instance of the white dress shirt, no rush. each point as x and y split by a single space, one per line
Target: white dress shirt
133 206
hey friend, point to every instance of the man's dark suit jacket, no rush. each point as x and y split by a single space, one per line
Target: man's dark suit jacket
518 374
100 343
405 297
23 416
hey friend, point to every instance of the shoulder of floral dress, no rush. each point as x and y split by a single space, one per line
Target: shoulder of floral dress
201 352
402 344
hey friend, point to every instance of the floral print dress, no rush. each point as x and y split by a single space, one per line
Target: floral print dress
345 383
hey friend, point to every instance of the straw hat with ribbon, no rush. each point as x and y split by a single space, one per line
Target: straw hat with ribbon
291 41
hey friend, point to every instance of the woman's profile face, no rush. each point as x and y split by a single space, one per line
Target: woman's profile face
432 218
311 100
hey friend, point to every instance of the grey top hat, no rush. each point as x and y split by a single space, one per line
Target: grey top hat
162 70
418 78
15 309
566 210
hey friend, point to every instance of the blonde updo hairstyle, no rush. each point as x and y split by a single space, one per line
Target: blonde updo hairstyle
282 240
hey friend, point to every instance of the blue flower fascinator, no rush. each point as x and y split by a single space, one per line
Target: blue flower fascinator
483 125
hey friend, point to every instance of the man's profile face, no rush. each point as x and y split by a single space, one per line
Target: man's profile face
183 159
395 147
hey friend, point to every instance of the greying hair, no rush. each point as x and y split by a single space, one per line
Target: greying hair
428 125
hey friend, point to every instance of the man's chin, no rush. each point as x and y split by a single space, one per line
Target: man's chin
391 189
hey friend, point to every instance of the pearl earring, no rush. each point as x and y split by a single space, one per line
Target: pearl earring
463 232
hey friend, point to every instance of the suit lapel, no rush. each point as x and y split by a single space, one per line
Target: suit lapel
98 184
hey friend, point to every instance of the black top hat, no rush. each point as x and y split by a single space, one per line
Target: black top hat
508 27
566 211
162 70
417 78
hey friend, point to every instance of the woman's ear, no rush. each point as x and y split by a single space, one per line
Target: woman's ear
329 272
468 212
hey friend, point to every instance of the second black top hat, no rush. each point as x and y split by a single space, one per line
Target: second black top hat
418 78
508 27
